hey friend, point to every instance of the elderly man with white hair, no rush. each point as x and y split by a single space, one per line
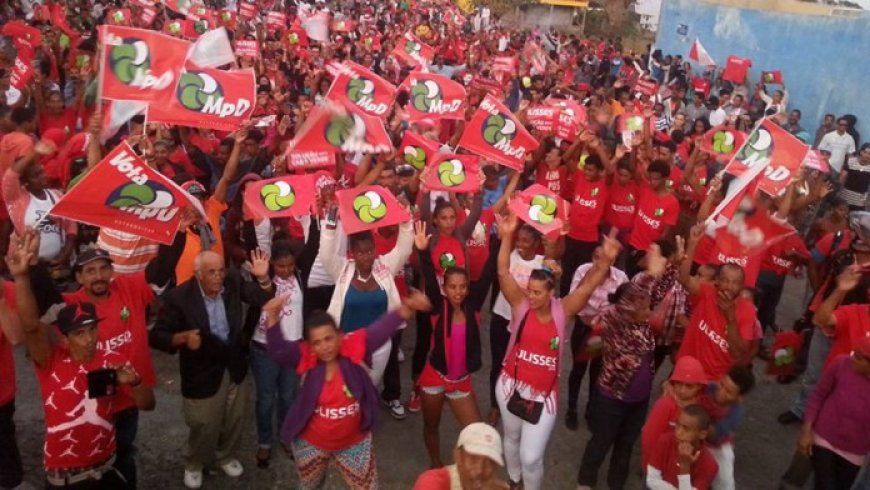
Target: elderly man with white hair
202 319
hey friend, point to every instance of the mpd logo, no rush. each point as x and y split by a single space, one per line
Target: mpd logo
447 260
278 196
498 129
200 92
341 128
412 48
451 173
369 207
146 201
361 92
542 209
130 63
758 148
415 157
723 142
425 94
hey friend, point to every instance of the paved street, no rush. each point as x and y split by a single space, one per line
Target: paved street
763 447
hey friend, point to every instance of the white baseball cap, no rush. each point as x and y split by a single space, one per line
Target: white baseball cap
481 439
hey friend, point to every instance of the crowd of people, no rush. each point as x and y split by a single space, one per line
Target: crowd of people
636 281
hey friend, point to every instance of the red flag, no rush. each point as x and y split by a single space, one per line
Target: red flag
505 64
361 89
702 85
289 195
123 193
228 19
247 10
414 52
58 18
180 6
368 208
343 25
543 210
784 353
22 72
736 69
646 87
139 64
772 77
296 37
333 128
817 161
247 48
119 17
631 122
434 96
22 33
722 142
744 230
572 116
454 173
495 134
417 151
276 21
491 87
209 98
700 55
773 148
371 41
544 118
201 13
310 159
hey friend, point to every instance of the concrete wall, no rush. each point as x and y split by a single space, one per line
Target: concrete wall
545 16
823 52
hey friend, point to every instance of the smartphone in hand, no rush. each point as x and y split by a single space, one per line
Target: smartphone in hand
102 382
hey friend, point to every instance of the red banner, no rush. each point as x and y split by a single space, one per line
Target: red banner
343 25
228 19
773 148
361 89
736 69
572 116
332 128
209 98
747 232
505 64
139 64
495 134
310 159
772 77
722 142
289 195
414 52
544 118
646 87
435 96
368 208
250 49
123 193
540 208
454 173
247 10
417 151
276 21
22 73
148 15
815 160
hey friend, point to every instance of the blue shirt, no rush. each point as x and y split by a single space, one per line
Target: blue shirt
217 315
362 308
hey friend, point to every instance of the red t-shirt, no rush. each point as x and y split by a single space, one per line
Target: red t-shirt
447 253
434 479
675 179
621 204
79 430
65 121
555 180
665 458
534 358
852 324
751 264
477 245
122 327
779 257
336 421
706 338
654 212
661 421
587 208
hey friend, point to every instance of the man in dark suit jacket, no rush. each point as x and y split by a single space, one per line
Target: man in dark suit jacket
202 318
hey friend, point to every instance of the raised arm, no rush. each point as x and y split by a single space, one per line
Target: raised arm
499 206
283 351
220 190
333 263
509 287
473 217
396 258
378 333
427 268
22 252
686 253
824 316
577 299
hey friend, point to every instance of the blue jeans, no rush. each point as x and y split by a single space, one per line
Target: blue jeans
820 346
273 381
126 427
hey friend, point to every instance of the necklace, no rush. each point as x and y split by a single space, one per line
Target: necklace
360 278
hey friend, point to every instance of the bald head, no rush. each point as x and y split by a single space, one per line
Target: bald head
210 271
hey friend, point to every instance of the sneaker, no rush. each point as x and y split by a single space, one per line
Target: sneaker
233 468
571 420
396 409
192 479
401 356
414 404
788 418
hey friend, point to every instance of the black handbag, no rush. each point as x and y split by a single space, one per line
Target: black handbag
528 410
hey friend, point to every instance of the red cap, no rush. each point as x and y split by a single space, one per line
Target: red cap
862 346
689 370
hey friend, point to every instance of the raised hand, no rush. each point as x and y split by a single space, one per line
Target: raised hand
507 225
696 233
849 278
259 264
272 309
421 238
610 247
655 262
416 301
127 375
20 254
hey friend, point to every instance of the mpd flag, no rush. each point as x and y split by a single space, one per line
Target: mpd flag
139 64
495 134
722 142
359 88
123 193
289 195
330 127
773 148
414 52
369 207
773 77
454 173
208 98
540 208
432 95
417 151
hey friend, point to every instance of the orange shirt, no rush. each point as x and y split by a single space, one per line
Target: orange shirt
213 211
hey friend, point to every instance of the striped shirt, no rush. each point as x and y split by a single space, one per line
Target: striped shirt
129 253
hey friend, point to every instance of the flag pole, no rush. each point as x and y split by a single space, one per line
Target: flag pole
101 67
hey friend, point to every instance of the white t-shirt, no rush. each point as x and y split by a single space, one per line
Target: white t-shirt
50 233
718 117
318 276
290 319
839 146
520 269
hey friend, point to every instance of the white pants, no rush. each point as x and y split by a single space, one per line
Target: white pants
524 443
724 455
380 358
